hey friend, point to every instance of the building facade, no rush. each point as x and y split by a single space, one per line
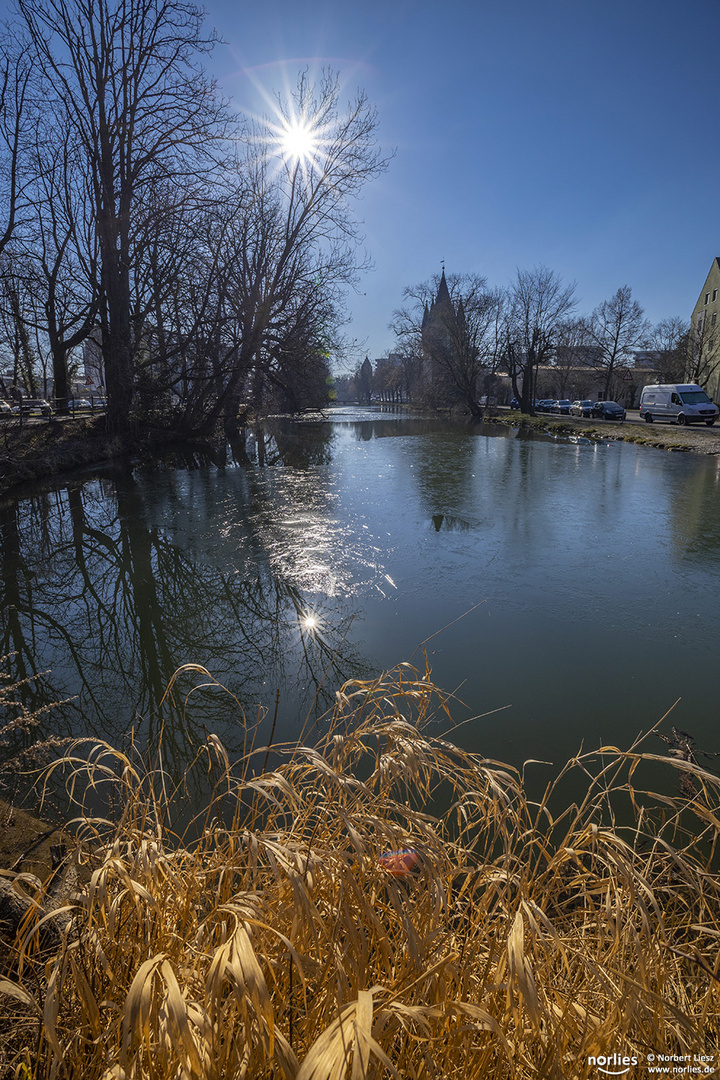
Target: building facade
705 334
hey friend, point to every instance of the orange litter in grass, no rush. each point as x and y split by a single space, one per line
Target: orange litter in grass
399 863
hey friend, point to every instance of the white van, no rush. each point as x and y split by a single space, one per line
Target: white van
681 403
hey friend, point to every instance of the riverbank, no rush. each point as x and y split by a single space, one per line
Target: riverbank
42 451
26 841
38 451
697 439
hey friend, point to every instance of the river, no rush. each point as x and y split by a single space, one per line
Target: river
566 592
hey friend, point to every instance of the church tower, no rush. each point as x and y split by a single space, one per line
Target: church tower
442 327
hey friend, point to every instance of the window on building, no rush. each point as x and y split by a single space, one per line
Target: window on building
714 295
707 297
712 321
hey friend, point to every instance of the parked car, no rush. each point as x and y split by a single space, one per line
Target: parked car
544 405
581 408
562 406
514 404
683 403
608 410
35 407
5 409
75 404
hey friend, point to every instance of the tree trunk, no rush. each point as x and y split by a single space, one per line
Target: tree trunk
116 344
60 377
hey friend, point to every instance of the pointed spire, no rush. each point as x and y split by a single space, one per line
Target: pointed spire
443 293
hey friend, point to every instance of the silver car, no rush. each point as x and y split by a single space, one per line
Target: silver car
581 408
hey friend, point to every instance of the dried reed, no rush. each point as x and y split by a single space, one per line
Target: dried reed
271 939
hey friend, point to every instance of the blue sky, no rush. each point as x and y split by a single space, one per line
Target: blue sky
579 135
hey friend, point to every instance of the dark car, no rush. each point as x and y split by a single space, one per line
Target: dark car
608 410
514 404
562 406
581 408
545 405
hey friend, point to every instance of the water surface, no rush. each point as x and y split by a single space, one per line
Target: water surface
565 591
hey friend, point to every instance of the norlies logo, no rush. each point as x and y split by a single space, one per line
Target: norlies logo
614 1064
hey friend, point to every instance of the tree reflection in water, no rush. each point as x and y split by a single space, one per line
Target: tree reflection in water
96 589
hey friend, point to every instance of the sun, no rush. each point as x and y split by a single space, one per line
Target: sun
298 137
298 142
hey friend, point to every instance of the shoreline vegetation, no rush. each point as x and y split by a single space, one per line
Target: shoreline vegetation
380 903
697 440
36 453
43 452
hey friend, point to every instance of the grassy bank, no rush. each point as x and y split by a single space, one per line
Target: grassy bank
34 452
279 936
697 439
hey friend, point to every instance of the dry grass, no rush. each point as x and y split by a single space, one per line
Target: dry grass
270 939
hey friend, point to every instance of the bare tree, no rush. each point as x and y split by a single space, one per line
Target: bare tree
616 327
15 287
701 350
411 366
293 243
669 342
124 78
210 285
538 307
177 313
59 241
573 359
452 325
15 72
389 378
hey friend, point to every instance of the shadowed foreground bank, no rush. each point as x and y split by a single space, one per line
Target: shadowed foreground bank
31 453
278 936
